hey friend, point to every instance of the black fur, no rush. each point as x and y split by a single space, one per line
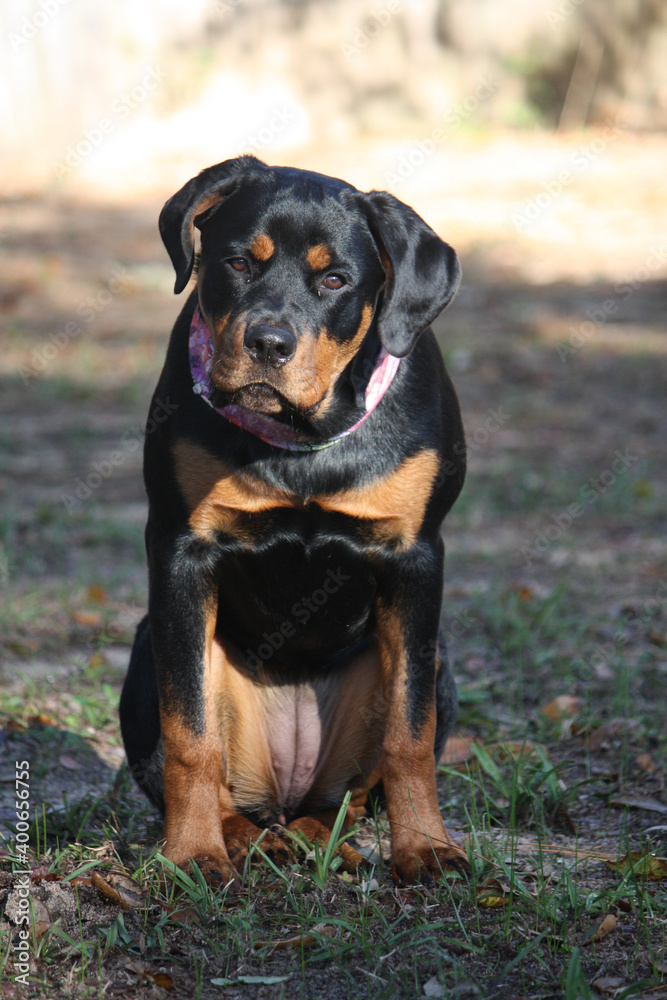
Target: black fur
392 259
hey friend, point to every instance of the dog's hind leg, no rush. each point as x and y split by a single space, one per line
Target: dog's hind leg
140 719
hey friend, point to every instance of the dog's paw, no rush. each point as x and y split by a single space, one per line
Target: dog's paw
240 832
215 866
427 863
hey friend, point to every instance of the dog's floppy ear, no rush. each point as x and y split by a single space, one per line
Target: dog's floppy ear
422 271
193 204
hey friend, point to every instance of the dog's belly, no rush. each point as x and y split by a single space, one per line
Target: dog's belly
295 748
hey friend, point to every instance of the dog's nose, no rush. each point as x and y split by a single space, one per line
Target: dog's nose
272 345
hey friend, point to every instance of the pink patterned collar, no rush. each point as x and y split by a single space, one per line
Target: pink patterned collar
272 431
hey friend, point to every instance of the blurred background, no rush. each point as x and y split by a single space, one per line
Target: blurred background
530 135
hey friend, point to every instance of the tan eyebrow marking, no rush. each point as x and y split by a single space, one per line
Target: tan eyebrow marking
318 257
262 247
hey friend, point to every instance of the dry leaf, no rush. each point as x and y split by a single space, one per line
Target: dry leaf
71 763
186 916
608 984
41 720
149 972
636 802
616 729
605 928
91 619
299 940
433 988
42 874
97 594
492 894
457 750
511 748
121 891
97 660
562 707
643 864
645 763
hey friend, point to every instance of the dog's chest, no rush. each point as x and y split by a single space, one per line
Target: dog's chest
230 502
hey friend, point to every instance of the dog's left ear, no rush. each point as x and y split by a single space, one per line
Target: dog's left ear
193 205
422 272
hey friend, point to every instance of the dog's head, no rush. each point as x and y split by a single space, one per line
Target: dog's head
298 272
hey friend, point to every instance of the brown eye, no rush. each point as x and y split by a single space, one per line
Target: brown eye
238 263
333 281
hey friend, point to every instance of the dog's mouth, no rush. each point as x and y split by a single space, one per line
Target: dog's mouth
259 397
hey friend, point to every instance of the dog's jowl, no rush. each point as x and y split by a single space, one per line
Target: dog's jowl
312 448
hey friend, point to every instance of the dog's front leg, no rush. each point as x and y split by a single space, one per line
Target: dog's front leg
183 611
408 614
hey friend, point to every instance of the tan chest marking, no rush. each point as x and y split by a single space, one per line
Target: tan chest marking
397 503
216 494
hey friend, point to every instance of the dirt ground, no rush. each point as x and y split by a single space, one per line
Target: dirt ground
556 576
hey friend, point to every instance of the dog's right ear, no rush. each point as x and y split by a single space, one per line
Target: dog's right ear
193 204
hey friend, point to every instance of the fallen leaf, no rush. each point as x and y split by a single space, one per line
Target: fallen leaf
608 984
186 916
605 928
91 619
162 979
97 594
97 660
645 763
299 940
562 707
42 874
71 763
14 726
613 730
433 988
644 865
492 894
41 720
511 749
119 889
457 750
636 802
150 973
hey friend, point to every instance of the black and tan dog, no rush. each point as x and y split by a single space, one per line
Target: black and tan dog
296 490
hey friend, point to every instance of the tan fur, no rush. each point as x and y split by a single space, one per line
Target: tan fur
262 247
318 257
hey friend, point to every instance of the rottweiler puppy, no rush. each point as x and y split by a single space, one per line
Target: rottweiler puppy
296 492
